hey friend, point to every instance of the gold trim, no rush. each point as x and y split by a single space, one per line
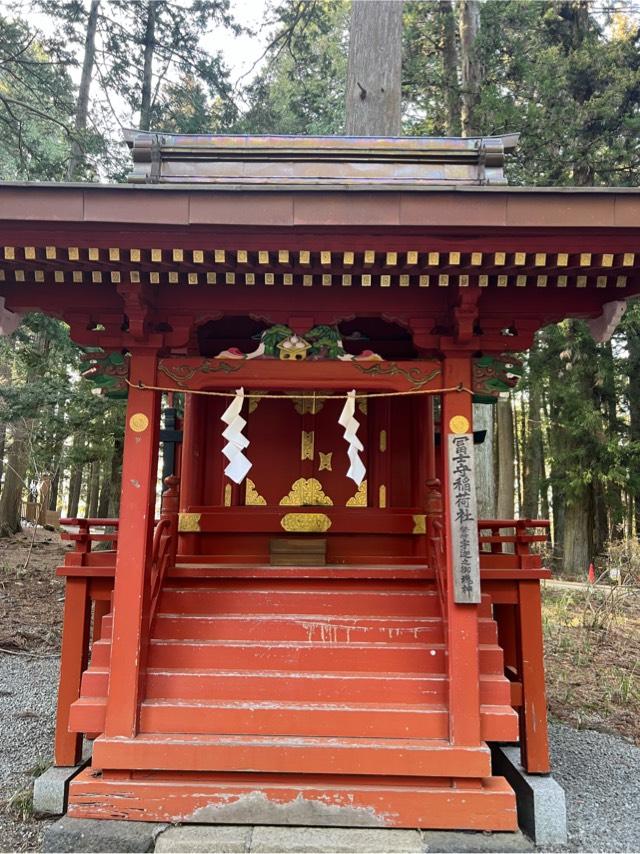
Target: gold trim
306 492
307 405
252 497
382 496
188 523
383 441
414 376
360 498
254 400
138 422
325 461
419 523
227 495
311 523
459 424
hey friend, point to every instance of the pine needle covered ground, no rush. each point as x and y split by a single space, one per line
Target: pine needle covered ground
592 655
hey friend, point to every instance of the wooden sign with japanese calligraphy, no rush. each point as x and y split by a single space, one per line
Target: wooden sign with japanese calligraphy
464 519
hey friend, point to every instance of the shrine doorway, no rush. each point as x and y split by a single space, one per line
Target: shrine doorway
299 461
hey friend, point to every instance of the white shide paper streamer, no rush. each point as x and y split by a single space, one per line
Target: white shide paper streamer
239 465
350 423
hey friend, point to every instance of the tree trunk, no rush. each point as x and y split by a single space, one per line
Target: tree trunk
373 97
470 69
534 452
577 538
633 394
506 492
518 439
93 493
11 498
105 492
116 477
55 487
82 110
3 437
485 476
147 71
453 106
75 487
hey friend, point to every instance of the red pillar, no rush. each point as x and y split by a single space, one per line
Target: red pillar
73 661
135 534
462 620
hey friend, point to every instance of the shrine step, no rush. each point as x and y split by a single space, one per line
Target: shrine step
303 627
299 627
353 598
236 655
347 720
309 687
281 754
300 800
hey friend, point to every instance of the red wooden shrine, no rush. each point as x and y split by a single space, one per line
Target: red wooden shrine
298 648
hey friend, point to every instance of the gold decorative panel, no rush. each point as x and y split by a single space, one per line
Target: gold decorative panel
307 442
252 496
307 523
306 492
360 498
254 399
307 405
188 523
325 461
419 523
227 495
383 441
382 496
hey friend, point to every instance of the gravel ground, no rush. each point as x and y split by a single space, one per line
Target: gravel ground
27 707
601 778
600 773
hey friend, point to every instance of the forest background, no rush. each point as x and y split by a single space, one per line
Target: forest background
565 444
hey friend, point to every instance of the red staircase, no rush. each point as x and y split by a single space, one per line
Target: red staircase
341 683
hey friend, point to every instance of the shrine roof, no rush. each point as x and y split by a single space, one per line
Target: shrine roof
316 161
451 206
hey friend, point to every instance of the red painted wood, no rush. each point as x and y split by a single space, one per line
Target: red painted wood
535 740
404 757
73 660
194 372
132 582
412 803
260 685
278 717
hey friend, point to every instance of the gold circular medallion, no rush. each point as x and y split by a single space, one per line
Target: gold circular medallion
139 422
459 424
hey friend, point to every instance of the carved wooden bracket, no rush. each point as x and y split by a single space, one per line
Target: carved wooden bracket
465 314
138 307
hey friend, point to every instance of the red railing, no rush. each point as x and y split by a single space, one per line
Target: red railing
84 536
165 541
510 549
435 541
